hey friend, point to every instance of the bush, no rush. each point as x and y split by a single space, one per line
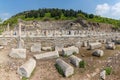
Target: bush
108 70
24 78
59 69
74 53
82 64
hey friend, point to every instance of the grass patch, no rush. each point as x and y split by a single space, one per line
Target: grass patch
108 70
59 69
82 64
117 47
53 48
24 78
74 53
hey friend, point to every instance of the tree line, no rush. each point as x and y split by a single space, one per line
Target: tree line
55 13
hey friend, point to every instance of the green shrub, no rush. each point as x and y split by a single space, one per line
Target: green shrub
74 53
108 70
53 48
59 69
24 78
82 64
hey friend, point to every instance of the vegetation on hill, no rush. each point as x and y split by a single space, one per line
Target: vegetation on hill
60 14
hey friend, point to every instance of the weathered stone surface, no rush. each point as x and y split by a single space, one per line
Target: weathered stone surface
110 45
75 60
102 41
59 47
47 48
78 44
117 41
47 55
22 43
70 50
36 47
27 68
85 44
18 53
103 75
1 47
94 45
66 68
98 53
3 42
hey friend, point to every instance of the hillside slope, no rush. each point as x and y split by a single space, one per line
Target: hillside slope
55 14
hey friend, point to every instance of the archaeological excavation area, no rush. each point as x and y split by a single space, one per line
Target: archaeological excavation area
52 51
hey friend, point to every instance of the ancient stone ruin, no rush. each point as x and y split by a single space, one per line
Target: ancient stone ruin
27 68
63 48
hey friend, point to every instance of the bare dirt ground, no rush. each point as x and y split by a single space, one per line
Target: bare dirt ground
45 69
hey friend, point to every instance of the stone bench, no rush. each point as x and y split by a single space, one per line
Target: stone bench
47 55
67 69
70 50
75 60
27 68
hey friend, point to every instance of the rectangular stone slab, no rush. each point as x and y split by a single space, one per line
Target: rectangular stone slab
94 45
18 53
47 55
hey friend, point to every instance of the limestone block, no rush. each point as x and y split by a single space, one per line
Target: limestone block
70 50
78 44
1 47
85 44
98 53
18 53
95 45
3 42
36 48
47 48
110 45
67 69
27 68
103 75
75 60
47 55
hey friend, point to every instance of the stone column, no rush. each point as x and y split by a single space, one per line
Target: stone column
8 27
19 36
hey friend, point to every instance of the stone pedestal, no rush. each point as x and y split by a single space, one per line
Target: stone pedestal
18 53
36 48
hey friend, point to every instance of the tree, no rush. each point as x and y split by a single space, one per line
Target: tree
91 16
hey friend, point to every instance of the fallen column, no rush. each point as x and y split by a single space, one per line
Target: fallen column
47 55
75 60
98 53
66 69
110 45
70 50
27 68
95 45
